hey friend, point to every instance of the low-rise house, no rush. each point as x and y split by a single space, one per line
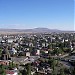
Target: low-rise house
13 51
11 72
15 45
27 49
5 55
4 62
28 54
37 52
46 51
43 44
30 44
66 40
10 40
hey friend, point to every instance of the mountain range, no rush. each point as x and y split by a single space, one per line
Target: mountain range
35 30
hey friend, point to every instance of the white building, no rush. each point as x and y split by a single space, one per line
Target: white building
43 44
37 52
46 51
13 51
10 40
11 72
28 54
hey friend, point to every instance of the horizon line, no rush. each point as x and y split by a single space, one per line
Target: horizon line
35 28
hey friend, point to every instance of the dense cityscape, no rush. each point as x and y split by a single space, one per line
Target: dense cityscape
37 54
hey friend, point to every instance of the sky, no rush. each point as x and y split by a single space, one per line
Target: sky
28 14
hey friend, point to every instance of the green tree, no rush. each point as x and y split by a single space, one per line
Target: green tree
62 71
0 52
2 70
73 71
28 67
11 65
57 51
52 62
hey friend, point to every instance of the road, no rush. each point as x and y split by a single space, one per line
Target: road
25 60
65 60
66 64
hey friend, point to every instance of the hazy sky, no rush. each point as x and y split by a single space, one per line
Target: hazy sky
53 14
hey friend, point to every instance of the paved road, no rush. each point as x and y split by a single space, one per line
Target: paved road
65 60
24 60
66 64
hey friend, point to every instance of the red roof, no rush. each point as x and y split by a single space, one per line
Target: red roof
9 72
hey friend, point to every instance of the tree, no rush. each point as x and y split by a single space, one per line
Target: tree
2 70
73 71
11 65
57 51
52 62
24 72
28 67
0 52
62 71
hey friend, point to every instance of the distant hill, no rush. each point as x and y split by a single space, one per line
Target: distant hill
42 30
30 30
35 30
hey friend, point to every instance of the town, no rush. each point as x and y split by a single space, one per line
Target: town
37 54
37 37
